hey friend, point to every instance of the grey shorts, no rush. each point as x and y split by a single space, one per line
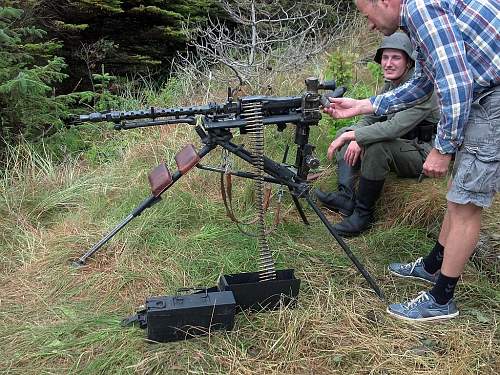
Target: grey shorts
476 172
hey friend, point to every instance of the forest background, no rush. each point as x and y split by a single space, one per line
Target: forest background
63 187
56 56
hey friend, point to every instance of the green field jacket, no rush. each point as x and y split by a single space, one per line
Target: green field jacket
371 128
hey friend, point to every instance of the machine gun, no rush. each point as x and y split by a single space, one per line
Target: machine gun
215 123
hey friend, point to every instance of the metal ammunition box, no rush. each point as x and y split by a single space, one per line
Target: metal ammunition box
250 293
172 318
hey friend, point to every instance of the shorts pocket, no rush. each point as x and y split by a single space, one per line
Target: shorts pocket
479 168
486 152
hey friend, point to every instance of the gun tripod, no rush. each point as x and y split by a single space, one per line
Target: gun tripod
215 134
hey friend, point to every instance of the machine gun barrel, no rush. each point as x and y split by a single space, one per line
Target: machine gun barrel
127 125
271 105
153 113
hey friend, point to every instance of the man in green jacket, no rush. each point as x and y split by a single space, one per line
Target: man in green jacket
378 144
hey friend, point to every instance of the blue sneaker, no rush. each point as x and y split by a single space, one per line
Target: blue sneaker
423 308
413 270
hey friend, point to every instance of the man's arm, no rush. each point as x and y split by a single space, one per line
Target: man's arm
399 124
347 107
368 120
372 118
415 91
338 142
354 150
442 44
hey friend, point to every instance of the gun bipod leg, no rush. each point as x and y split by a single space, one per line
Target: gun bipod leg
343 245
300 210
161 180
148 202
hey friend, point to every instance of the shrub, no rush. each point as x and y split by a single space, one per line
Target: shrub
29 69
341 67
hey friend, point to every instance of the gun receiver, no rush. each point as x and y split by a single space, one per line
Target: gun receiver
248 114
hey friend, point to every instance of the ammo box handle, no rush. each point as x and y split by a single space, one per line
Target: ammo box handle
194 289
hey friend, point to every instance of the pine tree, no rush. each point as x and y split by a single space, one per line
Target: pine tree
125 35
28 70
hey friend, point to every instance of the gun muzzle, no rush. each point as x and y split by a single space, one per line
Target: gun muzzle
71 120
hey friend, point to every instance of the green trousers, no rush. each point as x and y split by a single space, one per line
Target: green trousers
402 156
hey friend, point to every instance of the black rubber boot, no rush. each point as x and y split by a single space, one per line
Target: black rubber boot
341 201
362 218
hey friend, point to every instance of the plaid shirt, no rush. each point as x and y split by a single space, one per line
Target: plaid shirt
457 44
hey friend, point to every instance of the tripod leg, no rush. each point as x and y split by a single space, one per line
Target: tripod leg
299 208
145 204
286 177
186 159
346 249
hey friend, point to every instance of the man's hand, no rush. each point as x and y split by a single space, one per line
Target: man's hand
353 153
346 107
436 164
339 142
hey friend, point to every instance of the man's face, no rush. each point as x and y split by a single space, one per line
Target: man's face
382 15
394 64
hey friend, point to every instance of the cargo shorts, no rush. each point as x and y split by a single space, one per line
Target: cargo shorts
476 172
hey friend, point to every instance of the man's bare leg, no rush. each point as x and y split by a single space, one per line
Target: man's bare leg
445 225
460 231
433 261
445 229
459 235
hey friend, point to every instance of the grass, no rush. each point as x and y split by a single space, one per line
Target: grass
55 319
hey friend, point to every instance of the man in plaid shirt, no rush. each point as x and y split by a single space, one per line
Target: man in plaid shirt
458 55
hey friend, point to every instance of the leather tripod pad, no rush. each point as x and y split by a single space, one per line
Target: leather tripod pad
159 179
187 158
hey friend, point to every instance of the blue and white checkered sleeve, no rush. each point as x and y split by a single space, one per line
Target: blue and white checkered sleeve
443 46
413 92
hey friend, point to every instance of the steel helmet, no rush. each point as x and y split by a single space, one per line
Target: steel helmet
399 41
